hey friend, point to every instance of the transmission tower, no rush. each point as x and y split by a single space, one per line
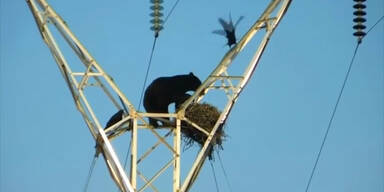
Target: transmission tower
93 75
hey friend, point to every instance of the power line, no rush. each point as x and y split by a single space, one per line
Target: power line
331 120
127 155
90 173
153 48
214 176
125 108
146 77
225 173
170 12
335 108
377 22
146 74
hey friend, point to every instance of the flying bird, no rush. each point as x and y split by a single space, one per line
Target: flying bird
228 29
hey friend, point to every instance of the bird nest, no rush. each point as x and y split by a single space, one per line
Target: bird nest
205 116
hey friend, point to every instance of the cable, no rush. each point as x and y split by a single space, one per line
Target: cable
124 106
214 176
126 158
331 120
141 98
90 173
335 108
146 78
377 22
127 155
170 12
146 74
225 173
153 47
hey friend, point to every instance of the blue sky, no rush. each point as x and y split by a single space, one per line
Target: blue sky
274 131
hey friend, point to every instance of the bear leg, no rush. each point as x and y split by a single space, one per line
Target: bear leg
153 122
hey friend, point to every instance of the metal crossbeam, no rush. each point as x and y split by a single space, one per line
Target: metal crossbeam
45 15
268 21
93 75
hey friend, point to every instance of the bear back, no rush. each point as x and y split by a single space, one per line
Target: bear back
173 87
166 90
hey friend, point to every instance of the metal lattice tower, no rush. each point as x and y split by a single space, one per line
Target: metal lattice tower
93 75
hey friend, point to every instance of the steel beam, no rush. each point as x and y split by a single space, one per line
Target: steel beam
219 79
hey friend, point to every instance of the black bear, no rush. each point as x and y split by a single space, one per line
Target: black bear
180 100
118 116
166 90
115 118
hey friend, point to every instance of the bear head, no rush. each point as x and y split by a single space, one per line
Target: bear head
194 82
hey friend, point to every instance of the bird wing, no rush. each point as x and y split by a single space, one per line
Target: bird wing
238 21
226 26
219 32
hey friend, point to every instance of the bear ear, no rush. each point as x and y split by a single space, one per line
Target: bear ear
190 73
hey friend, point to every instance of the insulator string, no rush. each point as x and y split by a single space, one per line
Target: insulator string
156 16
359 19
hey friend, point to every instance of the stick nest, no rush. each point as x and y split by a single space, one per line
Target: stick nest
204 115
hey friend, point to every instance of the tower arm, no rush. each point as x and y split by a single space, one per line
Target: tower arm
267 21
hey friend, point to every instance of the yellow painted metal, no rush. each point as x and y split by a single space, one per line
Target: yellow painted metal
219 79
176 156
